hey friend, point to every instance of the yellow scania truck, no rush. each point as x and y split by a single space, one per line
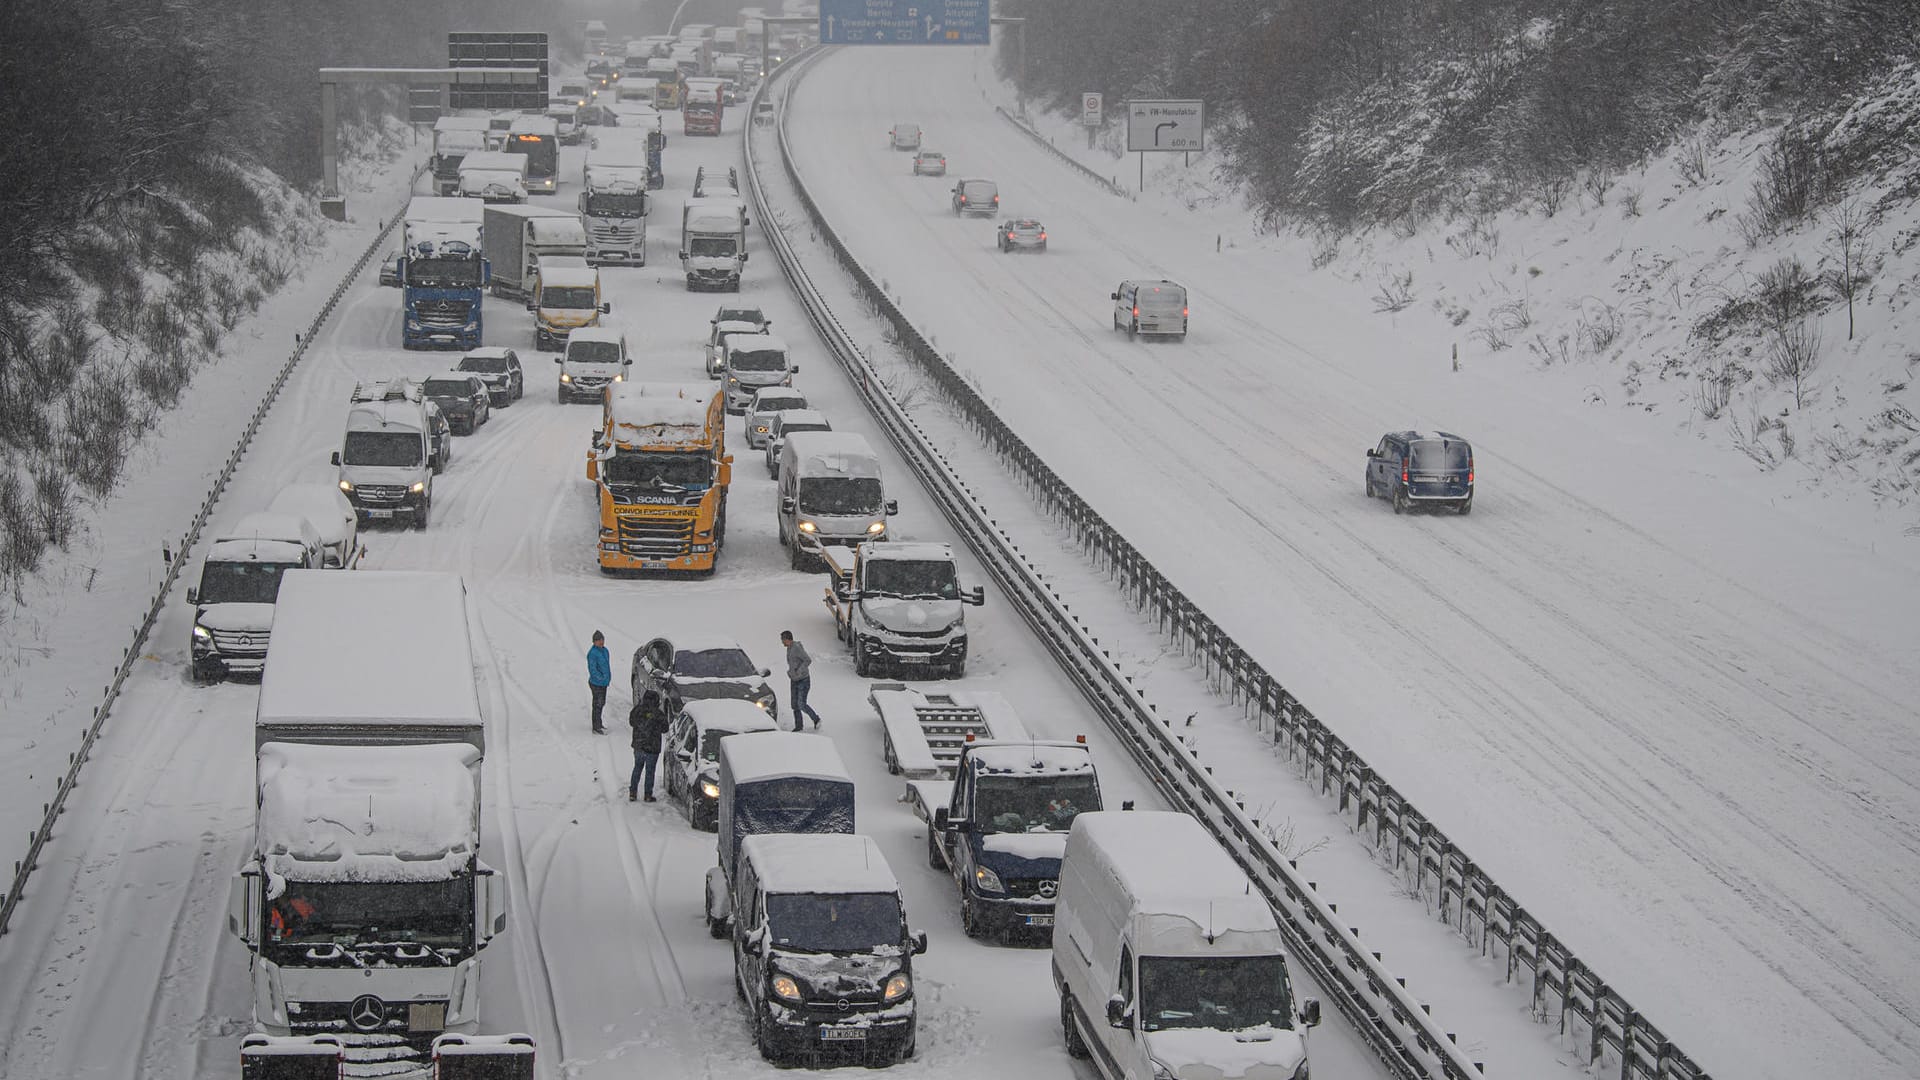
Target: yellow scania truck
662 469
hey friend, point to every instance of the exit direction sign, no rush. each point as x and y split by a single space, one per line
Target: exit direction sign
904 22
1166 125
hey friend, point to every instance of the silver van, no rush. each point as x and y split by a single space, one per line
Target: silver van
1150 307
830 493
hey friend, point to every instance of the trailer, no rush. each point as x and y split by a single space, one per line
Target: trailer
922 735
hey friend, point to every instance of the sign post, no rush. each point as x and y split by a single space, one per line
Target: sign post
1090 114
904 22
1165 127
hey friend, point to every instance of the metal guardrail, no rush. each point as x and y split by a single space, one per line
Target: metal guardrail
1113 186
1397 1025
1565 990
50 812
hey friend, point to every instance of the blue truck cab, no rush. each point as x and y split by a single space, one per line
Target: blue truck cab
442 272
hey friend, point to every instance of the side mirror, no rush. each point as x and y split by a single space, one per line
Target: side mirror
793 369
1373 451
1310 1012
336 457
606 308
1113 296
493 919
756 943
533 305
1117 1012
764 672
893 507
786 504
243 904
561 359
683 253
193 595
743 256
919 942
941 819
979 597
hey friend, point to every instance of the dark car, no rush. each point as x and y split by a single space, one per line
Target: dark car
463 397
697 667
499 368
1422 468
440 438
691 753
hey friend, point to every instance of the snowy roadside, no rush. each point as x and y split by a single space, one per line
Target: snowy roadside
60 645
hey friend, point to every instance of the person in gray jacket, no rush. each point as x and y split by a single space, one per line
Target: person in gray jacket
799 679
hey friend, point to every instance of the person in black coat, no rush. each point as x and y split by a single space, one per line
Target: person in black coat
649 722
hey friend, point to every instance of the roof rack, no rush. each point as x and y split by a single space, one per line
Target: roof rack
395 389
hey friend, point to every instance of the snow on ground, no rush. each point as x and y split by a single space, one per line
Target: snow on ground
606 960
59 646
1673 718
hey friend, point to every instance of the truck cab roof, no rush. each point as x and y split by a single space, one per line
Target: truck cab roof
560 271
755 343
339 813
819 863
1029 758
832 453
604 334
774 755
656 407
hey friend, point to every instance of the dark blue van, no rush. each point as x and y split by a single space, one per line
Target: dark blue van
1422 468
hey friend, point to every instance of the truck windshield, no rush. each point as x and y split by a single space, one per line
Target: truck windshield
740 314
240 582
843 495
593 352
1224 993
569 298
371 922
631 468
401 448
757 360
913 579
1033 803
715 246
603 205
833 922
444 273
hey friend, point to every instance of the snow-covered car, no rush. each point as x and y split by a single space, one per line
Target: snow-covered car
1422 468
976 196
390 270
731 320
330 514
767 404
904 137
1022 234
929 163
694 667
439 438
692 753
784 423
499 368
462 397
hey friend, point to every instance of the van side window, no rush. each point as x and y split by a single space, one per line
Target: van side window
1125 989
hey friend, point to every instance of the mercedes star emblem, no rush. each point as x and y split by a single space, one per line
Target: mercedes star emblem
1049 888
367 1012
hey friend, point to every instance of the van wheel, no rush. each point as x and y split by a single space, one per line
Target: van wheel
420 515
862 663
739 988
1076 1046
560 397
1399 501
1371 493
1466 507
794 558
970 917
933 848
1133 331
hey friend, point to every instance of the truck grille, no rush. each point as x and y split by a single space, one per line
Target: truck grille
613 233
453 313
380 494
1030 889
656 537
240 643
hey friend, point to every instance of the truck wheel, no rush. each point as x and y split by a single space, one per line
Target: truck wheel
969 917
763 1038
420 515
1076 1046
560 397
957 671
794 557
1371 494
933 848
862 663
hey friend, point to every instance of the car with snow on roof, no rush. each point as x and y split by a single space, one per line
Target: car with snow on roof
731 320
462 397
233 605
830 492
781 424
594 358
767 403
1021 234
696 667
904 136
772 782
500 369
929 163
692 748
900 605
823 952
389 452
977 197
1150 307
752 362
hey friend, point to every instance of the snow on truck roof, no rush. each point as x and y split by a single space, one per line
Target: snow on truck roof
382 415
653 405
818 863
567 277
606 334
775 755
343 813
833 453
1174 871
375 647
1030 758
907 551
444 208
534 125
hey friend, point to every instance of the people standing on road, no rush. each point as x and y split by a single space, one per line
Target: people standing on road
799 678
599 677
649 722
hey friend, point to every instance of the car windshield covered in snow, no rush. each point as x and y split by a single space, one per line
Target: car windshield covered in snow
399 448
710 245
841 495
914 579
1441 455
241 582
639 469
351 924
1011 804
593 352
447 388
740 314
570 297
485 365
1224 993
758 360
714 664
833 922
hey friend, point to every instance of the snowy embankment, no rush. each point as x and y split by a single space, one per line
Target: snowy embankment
65 634
1654 693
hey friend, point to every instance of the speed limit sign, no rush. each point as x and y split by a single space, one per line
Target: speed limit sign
1090 109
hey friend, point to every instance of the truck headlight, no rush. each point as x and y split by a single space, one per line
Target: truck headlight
413 324
898 986
986 880
418 486
806 526
200 633
710 789
565 378
877 527
346 486
784 988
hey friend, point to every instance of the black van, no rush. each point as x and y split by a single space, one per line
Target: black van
1422 468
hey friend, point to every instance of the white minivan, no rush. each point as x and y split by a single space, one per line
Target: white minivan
830 493
1167 961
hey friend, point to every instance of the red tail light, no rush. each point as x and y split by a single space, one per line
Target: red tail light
963 198
1469 472
1043 236
996 198
1403 470
1136 312
1183 313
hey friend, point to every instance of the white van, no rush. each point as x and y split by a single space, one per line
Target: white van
595 357
330 514
830 493
386 456
1167 961
750 363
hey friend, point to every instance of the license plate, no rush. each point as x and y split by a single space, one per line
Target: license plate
653 564
1039 920
379 513
842 1034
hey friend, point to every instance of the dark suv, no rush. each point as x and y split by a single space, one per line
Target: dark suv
500 370
1422 468
463 397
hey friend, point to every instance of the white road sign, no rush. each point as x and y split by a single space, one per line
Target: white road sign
1167 125
1090 109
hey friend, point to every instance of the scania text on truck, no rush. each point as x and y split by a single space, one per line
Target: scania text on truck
830 492
363 904
566 297
385 458
233 606
538 137
713 242
454 137
517 237
660 464
900 606
614 203
443 269
1168 962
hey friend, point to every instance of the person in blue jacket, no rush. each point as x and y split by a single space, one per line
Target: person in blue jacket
599 677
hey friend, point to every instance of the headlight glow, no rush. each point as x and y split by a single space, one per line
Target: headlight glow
806 526
418 486
710 789
877 527
346 485
564 377
201 633
785 988
898 985
986 880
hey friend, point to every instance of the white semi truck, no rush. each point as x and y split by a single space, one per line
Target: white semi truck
614 203
713 242
364 905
